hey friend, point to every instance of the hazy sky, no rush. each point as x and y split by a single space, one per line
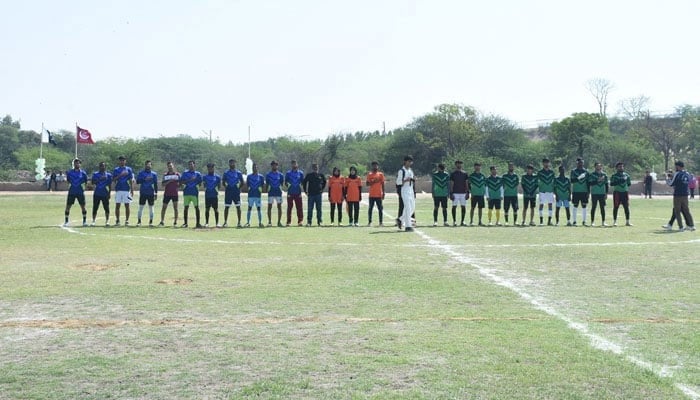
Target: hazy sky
313 68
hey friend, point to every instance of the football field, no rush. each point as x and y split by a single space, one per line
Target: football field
346 312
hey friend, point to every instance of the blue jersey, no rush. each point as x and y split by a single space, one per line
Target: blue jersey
148 181
255 183
294 179
102 182
233 180
123 182
76 180
274 179
211 185
190 180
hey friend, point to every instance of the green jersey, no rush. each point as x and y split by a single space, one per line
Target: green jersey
598 182
477 184
620 181
579 185
441 181
494 187
510 184
562 188
545 180
529 185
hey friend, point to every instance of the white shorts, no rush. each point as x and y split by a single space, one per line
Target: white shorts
546 198
274 199
460 199
123 197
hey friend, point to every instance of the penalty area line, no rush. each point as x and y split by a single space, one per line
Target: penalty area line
596 341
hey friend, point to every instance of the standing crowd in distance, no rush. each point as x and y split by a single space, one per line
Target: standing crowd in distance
494 191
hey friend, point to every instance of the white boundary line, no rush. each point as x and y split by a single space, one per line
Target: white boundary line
596 341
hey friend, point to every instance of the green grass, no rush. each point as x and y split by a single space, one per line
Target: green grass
345 312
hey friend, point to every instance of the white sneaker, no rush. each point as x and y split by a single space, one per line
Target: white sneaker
681 229
434 223
691 228
667 227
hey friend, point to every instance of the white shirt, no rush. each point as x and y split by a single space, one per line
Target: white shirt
406 187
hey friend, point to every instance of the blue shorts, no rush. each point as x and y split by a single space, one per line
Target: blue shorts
254 202
563 203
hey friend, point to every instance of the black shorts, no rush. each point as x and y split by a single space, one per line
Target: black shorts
147 198
621 198
232 196
510 201
211 202
494 203
579 197
598 198
73 197
477 201
440 201
97 200
528 201
168 199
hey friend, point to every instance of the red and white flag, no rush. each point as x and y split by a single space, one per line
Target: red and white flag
83 136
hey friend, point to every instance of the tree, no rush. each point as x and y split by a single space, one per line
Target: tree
574 136
600 88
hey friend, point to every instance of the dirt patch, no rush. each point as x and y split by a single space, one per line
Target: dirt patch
92 267
177 281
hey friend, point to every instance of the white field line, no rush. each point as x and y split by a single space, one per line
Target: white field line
597 341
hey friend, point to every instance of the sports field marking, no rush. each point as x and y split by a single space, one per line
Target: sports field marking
85 231
597 341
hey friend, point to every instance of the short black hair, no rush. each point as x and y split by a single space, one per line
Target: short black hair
408 158
679 163
441 166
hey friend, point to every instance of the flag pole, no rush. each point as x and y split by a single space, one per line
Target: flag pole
41 141
76 140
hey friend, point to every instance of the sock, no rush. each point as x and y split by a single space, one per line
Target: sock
583 214
140 212
576 212
490 212
498 216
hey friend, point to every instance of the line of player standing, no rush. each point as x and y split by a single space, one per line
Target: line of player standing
121 181
562 190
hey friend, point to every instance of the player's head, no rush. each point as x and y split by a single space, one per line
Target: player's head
679 165
147 165
102 166
477 167
407 161
441 167
545 163
76 163
336 171
122 161
353 170
647 172
314 167
529 169
579 162
511 166
210 168
295 166
598 166
191 164
620 166
255 168
232 163
375 166
170 166
493 170
274 165
561 170
458 164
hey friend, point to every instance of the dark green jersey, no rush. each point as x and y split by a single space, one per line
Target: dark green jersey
620 181
545 181
494 186
579 185
529 185
441 181
510 184
562 188
477 184
598 182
